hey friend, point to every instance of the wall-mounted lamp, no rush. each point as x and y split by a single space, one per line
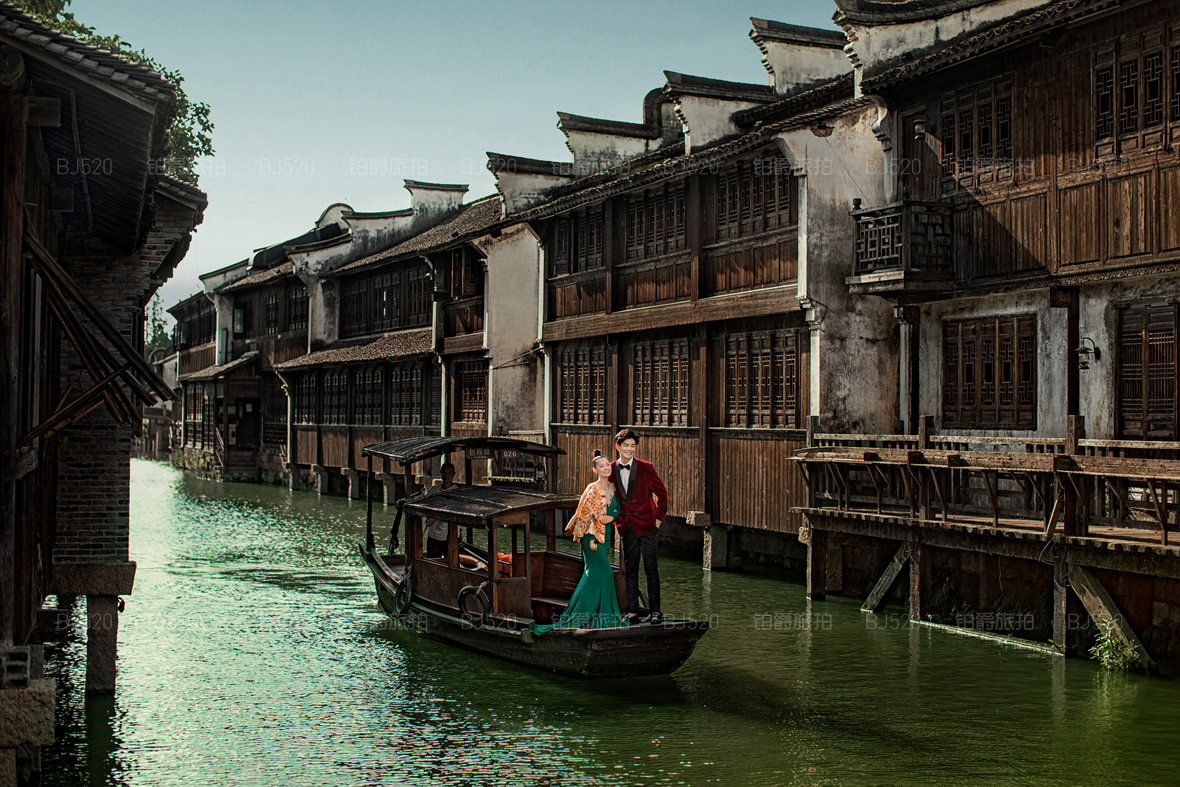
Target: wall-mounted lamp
920 129
1087 350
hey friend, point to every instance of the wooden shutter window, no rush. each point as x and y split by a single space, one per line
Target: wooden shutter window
1129 96
989 373
1147 372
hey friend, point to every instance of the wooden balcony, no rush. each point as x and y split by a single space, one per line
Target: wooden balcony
902 248
1113 494
194 359
463 316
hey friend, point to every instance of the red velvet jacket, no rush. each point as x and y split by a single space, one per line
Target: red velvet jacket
638 511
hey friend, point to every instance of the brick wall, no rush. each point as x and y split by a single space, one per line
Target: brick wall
94 461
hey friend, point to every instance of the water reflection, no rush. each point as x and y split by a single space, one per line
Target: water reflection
252 652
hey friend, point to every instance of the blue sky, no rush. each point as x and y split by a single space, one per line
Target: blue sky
316 103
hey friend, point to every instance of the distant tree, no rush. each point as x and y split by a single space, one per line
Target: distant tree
157 339
190 136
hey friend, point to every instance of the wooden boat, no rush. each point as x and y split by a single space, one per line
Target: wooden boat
487 597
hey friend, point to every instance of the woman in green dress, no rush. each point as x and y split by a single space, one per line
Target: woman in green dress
594 603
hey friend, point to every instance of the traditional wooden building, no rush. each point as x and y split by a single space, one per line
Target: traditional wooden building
410 356
262 312
688 287
89 229
1027 244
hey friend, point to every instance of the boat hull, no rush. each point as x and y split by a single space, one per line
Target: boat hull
625 651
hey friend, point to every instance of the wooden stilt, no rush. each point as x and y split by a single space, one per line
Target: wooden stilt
887 579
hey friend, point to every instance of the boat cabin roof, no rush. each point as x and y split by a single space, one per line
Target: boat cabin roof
476 505
414 449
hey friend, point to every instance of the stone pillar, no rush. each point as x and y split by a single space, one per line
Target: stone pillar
355 486
389 485
915 560
102 635
320 474
26 715
1061 606
715 554
817 562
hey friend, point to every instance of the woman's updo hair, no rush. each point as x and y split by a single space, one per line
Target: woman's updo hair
594 459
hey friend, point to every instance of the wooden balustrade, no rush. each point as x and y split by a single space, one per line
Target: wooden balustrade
1071 486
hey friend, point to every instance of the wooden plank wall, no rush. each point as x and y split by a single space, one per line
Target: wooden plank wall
750 263
756 483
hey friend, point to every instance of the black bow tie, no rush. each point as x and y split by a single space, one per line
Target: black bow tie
626 467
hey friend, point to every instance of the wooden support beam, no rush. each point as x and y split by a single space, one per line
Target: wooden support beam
1051 524
1101 607
886 581
1161 508
915 561
992 497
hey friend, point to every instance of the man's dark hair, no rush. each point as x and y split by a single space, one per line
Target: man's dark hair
626 434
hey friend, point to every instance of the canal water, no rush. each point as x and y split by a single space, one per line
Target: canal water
252 651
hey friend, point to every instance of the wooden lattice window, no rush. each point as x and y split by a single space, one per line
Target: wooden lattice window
297 307
1147 372
335 401
1104 102
560 247
386 301
1174 73
406 395
581 395
471 391
418 300
305 399
762 380
1129 96
989 373
660 383
368 407
271 312
1153 89
655 222
754 196
975 134
354 306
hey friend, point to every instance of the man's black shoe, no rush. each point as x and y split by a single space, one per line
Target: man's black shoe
631 618
655 618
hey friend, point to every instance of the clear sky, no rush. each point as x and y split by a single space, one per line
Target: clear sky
316 103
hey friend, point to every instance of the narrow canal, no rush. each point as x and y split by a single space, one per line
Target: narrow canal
252 652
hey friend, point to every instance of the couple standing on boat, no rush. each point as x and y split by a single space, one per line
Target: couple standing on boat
627 495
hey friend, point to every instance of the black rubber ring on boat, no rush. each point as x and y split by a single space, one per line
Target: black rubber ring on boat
403 597
476 619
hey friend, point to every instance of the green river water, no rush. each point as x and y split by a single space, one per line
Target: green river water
252 651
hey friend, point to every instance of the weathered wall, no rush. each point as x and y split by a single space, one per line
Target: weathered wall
511 329
854 353
1097 319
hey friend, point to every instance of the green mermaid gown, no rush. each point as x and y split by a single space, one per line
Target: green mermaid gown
594 603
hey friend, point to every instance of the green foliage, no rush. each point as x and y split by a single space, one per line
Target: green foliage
190 136
1112 652
157 341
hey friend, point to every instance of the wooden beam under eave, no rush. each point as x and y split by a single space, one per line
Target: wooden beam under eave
754 303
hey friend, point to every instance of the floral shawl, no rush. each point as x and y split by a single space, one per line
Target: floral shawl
585 519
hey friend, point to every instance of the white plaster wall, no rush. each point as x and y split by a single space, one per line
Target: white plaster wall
1052 357
854 352
512 303
706 119
877 46
594 151
1097 319
794 65
521 190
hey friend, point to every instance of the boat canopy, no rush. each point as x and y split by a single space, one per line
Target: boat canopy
477 505
414 449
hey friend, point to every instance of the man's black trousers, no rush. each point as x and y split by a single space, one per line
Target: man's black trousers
633 547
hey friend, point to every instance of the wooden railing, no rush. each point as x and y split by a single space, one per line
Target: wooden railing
218 449
194 359
905 236
1070 486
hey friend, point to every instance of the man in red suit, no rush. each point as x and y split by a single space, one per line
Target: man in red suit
637 483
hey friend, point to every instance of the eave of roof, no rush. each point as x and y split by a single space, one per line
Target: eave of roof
283 270
889 12
601 186
834 90
470 221
213 372
770 30
400 345
689 85
990 40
